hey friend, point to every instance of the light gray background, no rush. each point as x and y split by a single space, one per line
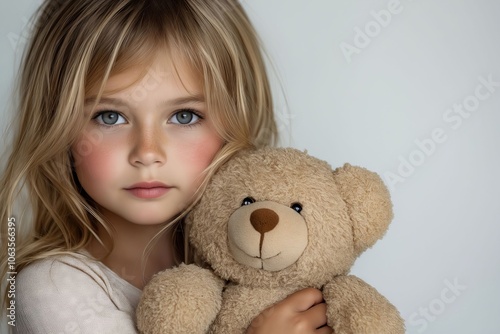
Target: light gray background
438 263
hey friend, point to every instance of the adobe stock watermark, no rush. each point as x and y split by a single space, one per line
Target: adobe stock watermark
87 311
11 274
453 118
151 81
421 318
363 36
20 39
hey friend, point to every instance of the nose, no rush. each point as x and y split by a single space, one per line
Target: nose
264 220
148 147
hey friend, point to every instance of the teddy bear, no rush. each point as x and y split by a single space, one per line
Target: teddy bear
270 222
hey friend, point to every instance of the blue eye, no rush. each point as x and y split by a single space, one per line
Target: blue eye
109 118
185 117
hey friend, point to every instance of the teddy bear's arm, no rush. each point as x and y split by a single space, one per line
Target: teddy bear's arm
356 307
185 299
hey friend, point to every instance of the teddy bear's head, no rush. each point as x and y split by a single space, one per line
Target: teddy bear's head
277 216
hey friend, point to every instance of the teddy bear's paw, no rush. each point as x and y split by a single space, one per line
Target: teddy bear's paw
356 307
185 299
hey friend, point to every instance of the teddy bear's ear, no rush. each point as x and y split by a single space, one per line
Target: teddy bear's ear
368 202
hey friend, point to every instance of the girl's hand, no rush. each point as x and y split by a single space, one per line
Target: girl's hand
302 312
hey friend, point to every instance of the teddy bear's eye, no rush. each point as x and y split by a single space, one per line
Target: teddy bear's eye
297 207
248 201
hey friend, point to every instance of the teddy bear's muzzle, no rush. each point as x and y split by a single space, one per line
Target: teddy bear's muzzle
267 235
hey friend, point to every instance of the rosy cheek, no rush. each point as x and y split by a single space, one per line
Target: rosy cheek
95 163
202 152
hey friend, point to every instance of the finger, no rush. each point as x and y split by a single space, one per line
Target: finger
317 315
324 330
303 300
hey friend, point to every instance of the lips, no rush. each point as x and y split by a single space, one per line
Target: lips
148 190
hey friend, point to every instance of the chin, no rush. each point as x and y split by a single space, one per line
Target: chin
152 222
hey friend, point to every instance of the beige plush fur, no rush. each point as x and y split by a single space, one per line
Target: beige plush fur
273 221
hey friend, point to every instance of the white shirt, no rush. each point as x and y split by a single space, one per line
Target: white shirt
74 294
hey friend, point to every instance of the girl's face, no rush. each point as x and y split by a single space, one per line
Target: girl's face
142 154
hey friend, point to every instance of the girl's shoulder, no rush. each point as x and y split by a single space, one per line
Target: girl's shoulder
75 269
74 288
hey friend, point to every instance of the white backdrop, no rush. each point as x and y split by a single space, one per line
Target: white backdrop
409 89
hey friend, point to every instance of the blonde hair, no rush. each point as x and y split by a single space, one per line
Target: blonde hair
75 47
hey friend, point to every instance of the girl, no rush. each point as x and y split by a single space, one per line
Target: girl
126 107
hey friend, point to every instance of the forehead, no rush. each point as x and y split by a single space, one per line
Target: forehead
162 66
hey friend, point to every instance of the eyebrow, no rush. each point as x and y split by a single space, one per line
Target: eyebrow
185 100
122 103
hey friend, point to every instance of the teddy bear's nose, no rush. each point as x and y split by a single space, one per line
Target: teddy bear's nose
264 220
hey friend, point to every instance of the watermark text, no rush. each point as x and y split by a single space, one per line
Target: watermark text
11 274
